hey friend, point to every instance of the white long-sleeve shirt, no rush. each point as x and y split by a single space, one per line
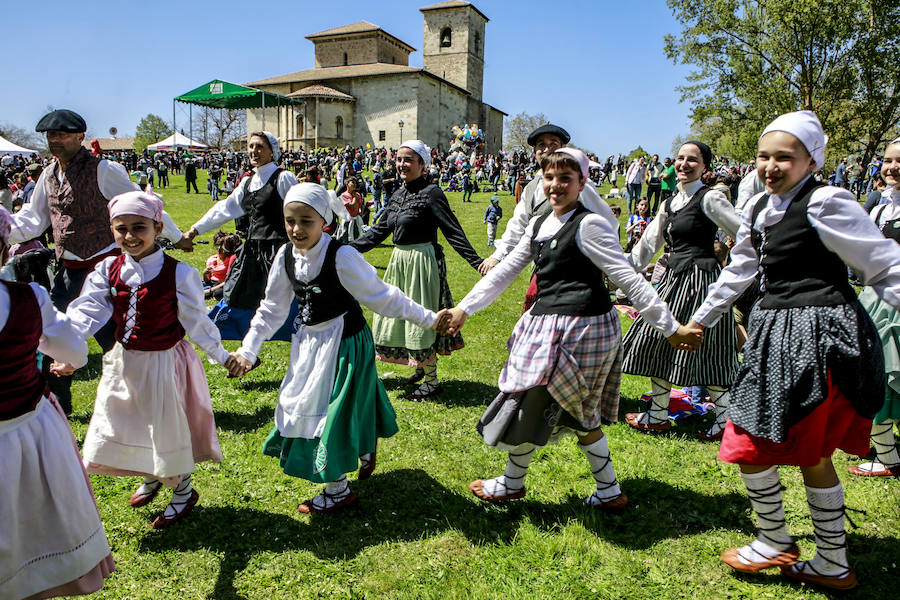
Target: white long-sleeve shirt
112 179
714 205
750 186
842 225
599 241
231 207
93 308
532 200
59 339
356 275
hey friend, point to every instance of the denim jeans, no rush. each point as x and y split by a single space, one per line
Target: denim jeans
634 196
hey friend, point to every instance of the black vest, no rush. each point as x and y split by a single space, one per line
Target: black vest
568 283
324 298
691 234
797 269
264 207
890 229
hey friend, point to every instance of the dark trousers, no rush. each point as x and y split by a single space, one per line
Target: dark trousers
164 179
663 196
66 287
187 186
634 196
653 190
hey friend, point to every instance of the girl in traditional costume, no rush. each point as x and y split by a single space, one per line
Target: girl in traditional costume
565 353
813 372
332 407
52 542
153 414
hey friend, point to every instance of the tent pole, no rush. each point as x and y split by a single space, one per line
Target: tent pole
264 110
174 130
278 117
317 121
190 124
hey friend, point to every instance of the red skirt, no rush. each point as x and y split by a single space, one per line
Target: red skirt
833 424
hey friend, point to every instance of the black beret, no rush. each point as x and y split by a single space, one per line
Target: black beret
62 120
551 130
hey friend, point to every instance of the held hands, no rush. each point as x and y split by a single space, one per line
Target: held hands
486 265
457 318
688 337
442 321
237 365
61 369
186 243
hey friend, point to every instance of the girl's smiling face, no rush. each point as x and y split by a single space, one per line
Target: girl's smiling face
410 165
562 186
782 161
303 225
689 164
259 151
136 235
890 166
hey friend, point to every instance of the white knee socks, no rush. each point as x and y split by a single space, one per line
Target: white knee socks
513 479
826 507
764 490
885 447
719 397
180 497
602 469
659 403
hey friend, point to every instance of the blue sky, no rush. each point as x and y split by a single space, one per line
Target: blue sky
595 67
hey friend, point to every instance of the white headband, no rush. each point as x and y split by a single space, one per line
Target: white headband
311 194
805 126
419 147
579 157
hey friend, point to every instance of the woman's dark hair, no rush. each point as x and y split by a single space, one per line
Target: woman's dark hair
231 243
705 152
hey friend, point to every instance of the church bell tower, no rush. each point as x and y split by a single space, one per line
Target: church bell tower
454 44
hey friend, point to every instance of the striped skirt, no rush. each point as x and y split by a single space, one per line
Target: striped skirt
648 353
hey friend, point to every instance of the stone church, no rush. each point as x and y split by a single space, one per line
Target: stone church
363 91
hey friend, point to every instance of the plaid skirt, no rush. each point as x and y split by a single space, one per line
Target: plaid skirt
578 359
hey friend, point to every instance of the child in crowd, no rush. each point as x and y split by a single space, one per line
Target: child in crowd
353 202
52 542
637 223
218 265
887 321
332 407
812 376
565 354
153 414
492 215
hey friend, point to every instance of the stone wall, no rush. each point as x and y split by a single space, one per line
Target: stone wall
361 49
463 61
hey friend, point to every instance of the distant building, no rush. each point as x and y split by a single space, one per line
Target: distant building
362 86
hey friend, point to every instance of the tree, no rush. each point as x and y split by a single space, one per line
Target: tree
218 127
22 137
150 130
756 59
516 130
636 153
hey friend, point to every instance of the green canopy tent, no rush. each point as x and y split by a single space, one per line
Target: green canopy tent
223 94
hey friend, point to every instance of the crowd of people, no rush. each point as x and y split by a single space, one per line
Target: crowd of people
297 272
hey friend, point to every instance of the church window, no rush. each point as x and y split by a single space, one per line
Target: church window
339 127
382 135
345 59
299 125
446 37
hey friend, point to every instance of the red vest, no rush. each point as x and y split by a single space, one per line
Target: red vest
21 382
78 211
155 326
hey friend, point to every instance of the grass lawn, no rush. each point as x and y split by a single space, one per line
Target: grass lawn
417 532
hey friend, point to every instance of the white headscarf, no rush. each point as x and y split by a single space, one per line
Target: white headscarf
579 157
276 148
311 194
805 126
419 147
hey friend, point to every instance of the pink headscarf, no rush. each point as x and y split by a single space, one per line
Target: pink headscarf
144 204
6 224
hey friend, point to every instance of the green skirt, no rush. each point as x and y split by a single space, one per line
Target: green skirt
887 322
420 271
359 413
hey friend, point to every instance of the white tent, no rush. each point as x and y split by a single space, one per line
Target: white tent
7 147
173 142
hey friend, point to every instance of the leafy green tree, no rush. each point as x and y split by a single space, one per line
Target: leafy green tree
756 59
150 130
636 153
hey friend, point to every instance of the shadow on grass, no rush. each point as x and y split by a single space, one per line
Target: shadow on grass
259 385
241 422
407 504
455 392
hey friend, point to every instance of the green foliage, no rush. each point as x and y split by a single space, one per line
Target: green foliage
636 153
417 532
150 130
516 130
756 59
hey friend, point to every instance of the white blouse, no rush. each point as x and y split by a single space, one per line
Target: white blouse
93 308
356 275
529 202
599 241
890 200
715 206
231 207
59 339
842 225
112 179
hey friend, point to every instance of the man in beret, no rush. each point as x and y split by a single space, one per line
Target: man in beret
71 197
545 140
